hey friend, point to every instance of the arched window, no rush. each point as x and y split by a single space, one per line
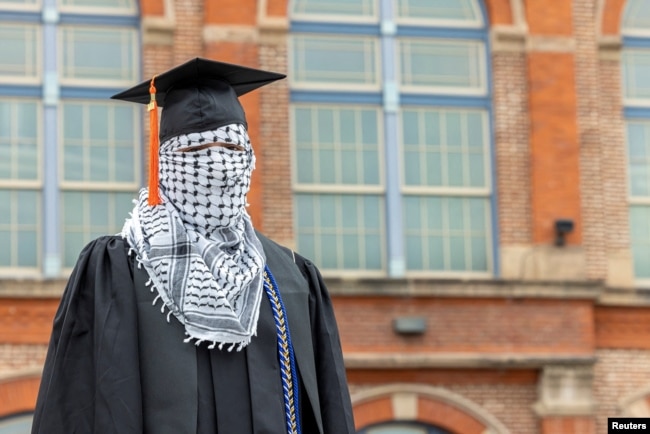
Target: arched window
16 424
402 428
635 66
390 109
68 155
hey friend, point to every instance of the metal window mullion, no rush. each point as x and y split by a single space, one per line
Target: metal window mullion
360 147
425 235
13 138
422 147
446 230
13 256
315 139
336 146
361 243
464 146
467 235
50 143
111 145
444 149
396 263
338 230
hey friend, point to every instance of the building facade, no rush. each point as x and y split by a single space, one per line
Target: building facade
472 177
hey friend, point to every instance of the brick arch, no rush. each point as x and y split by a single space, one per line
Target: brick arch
610 14
18 393
426 404
505 12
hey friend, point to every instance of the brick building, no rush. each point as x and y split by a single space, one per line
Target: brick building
471 176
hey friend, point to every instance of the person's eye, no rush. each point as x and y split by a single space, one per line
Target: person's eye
232 147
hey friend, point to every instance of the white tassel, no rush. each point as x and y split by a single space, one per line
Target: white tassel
168 315
211 347
187 340
155 300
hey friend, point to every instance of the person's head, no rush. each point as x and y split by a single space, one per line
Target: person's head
204 145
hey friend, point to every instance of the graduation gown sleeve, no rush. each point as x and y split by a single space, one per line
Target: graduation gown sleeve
333 392
91 381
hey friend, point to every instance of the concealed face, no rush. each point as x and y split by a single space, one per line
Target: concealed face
231 146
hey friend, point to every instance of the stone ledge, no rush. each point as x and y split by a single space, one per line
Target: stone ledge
479 288
461 360
32 288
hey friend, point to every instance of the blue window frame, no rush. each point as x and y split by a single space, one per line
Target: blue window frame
390 114
635 69
66 150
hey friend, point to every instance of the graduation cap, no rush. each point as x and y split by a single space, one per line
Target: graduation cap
199 95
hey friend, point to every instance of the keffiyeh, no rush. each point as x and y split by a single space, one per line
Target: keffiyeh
199 247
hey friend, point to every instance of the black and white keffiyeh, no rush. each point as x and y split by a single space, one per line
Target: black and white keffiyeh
199 247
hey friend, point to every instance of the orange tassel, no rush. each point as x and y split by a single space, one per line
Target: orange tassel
154 195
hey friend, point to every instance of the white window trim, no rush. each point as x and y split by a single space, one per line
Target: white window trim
38 66
36 7
89 184
30 183
76 82
344 87
448 190
481 90
98 10
360 272
441 22
379 188
29 271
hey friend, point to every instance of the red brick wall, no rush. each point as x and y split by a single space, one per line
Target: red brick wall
467 325
622 327
620 374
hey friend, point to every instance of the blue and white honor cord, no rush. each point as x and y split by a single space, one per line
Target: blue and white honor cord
286 357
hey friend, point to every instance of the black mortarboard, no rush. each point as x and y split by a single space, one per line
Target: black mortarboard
197 96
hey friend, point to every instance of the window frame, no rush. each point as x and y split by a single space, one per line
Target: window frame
441 22
295 84
91 82
37 78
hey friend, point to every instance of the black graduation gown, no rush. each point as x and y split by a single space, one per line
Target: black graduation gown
114 364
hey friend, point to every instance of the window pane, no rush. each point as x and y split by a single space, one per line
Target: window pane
636 16
113 5
18 2
332 60
19 139
96 145
99 54
340 231
19 51
445 147
446 233
87 215
353 8
443 66
636 73
19 228
340 152
640 235
16 424
638 150
457 10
